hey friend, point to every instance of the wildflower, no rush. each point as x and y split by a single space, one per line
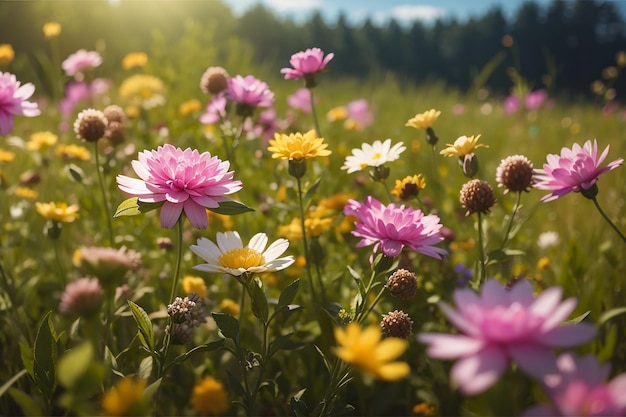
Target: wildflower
391 228
500 325
337 113
409 187
183 180
402 284
229 256
511 104
7 54
580 388
134 59
73 152
90 125
51 30
373 155
214 80
423 120
535 99
359 115
41 140
13 101
548 239
576 169
477 196
248 93
188 107
108 264
424 409
464 274
364 349
126 398
462 146
195 285
6 156
306 64
143 90
114 113
215 110
543 263
58 212
515 173
81 297
209 397
229 306
80 61
298 146
24 192
188 310
396 324
300 100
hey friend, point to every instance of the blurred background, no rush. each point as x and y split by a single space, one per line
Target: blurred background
561 46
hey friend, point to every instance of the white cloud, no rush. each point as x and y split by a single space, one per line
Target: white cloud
291 5
411 12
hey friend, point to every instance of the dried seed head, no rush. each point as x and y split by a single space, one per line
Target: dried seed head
515 173
213 80
397 324
477 196
402 284
90 125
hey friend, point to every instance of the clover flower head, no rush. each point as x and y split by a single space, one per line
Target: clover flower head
183 180
500 325
574 170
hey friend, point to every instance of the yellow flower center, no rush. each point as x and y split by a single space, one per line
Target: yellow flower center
241 258
376 156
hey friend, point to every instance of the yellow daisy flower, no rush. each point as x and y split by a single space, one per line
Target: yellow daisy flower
41 140
409 186
298 146
229 306
24 192
73 152
7 54
209 397
125 398
364 349
194 284
134 59
51 30
6 156
337 113
189 106
464 145
58 212
423 120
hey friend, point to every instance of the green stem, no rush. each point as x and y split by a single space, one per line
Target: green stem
481 250
63 277
313 112
242 304
389 195
595 201
371 307
510 225
107 211
305 242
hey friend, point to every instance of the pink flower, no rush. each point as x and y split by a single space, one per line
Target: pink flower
249 93
360 113
576 169
80 61
579 389
511 104
181 179
81 297
215 110
300 100
13 101
391 228
306 64
535 99
500 325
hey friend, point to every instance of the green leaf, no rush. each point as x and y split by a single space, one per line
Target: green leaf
235 385
311 191
259 300
289 293
144 325
151 389
202 348
45 355
145 367
299 407
27 403
76 173
133 207
608 315
578 319
228 325
73 365
283 342
231 207
11 381
26 354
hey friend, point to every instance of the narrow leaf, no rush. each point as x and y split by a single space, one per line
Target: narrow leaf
259 301
311 191
144 325
231 207
11 381
44 356
578 319
289 293
299 407
133 207
608 315
151 389
27 402
145 367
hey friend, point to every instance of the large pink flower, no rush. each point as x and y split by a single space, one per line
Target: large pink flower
80 61
249 92
501 325
181 179
576 169
13 101
391 228
306 63
580 389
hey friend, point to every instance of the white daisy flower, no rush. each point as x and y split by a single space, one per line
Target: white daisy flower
229 256
373 155
548 239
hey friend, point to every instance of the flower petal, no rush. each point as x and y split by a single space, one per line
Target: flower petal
450 346
474 374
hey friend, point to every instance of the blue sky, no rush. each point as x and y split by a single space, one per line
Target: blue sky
381 11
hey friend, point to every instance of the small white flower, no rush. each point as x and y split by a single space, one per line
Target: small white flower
229 256
548 239
373 155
